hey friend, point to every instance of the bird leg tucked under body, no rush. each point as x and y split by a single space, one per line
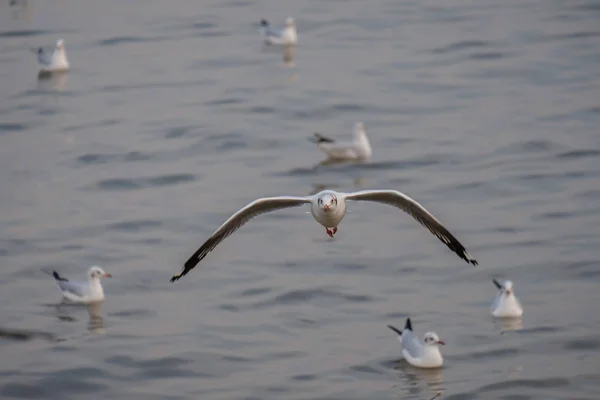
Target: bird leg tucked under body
333 232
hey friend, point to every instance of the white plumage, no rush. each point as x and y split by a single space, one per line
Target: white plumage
82 292
359 149
328 208
55 59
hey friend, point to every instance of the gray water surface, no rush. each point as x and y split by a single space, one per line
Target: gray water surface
174 116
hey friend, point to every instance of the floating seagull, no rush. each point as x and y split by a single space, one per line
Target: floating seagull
287 36
55 60
359 149
506 304
422 354
328 208
83 292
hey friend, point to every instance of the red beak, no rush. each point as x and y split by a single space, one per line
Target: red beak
107 275
326 207
441 342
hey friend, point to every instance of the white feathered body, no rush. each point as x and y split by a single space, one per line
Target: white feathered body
506 306
54 60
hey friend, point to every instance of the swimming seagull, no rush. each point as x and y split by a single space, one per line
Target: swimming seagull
55 60
359 149
506 304
287 36
82 292
328 208
421 354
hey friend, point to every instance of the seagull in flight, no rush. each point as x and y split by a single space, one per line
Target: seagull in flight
328 208
287 36
55 60
357 150
82 292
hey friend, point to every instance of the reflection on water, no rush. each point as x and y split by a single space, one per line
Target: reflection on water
418 381
66 312
335 161
508 324
289 54
52 81
19 9
96 322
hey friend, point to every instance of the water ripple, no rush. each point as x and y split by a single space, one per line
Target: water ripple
157 181
461 45
23 33
117 40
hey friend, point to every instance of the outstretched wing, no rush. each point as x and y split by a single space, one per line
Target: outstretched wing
418 212
236 221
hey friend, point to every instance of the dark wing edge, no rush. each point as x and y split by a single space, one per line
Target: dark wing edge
398 331
55 275
318 138
236 221
498 285
58 277
418 212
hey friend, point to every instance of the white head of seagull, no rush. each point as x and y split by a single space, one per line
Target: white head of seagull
506 304
421 354
327 201
328 209
95 273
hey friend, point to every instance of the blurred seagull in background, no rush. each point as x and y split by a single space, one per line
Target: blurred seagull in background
357 150
506 304
53 60
287 36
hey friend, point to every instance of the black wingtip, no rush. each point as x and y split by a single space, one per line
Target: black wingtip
188 266
58 277
464 254
398 331
408 324
322 139
498 285
264 22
